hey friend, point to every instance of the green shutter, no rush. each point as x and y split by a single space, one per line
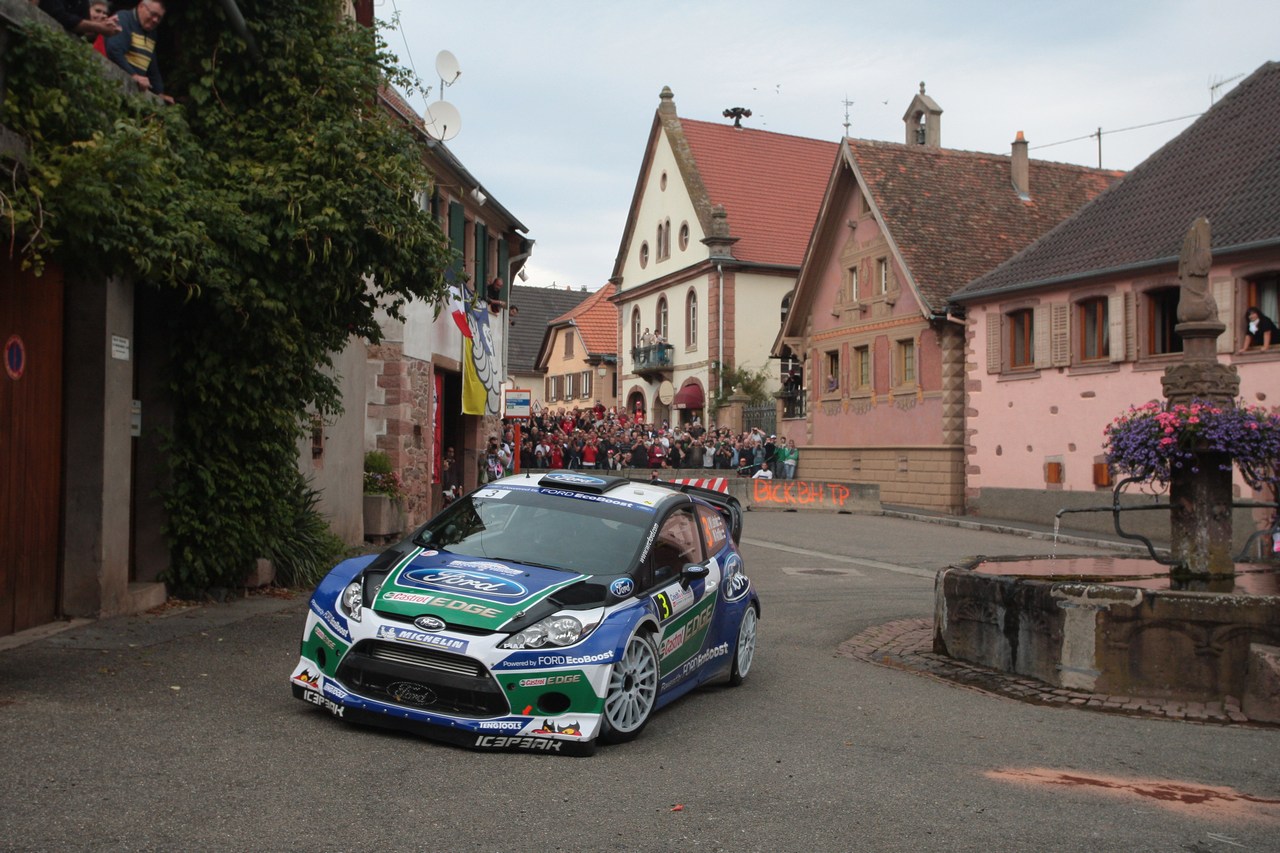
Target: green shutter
457 239
482 257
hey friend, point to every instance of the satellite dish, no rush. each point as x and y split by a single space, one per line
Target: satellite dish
442 121
447 68
666 392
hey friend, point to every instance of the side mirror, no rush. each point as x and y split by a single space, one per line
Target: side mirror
693 571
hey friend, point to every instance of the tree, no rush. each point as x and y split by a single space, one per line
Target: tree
275 209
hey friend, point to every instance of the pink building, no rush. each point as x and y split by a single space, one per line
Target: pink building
1065 336
880 398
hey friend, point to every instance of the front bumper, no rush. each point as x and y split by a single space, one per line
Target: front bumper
454 687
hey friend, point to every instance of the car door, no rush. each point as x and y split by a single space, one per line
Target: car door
684 606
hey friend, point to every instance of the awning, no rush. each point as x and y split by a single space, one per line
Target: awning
689 396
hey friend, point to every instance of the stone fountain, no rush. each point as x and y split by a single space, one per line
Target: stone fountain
1204 629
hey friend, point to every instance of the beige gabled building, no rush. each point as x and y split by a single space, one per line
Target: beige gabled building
713 241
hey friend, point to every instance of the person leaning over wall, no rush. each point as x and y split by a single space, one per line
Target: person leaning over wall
75 18
134 47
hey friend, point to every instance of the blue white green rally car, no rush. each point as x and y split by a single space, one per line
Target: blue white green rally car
541 612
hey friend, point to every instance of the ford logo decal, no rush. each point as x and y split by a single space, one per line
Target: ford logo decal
411 693
577 479
429 623
461 580
622 587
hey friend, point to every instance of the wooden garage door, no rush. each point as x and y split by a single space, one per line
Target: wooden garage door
30 446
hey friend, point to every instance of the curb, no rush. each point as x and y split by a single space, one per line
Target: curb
907 645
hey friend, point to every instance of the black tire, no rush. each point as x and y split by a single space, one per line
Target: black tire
744 653
633 691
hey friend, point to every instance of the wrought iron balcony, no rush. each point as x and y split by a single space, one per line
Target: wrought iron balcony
655 358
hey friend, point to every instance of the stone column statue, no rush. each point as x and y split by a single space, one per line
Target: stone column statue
1200 494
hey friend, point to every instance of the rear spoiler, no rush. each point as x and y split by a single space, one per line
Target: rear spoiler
729 506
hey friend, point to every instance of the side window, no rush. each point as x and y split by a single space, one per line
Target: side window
678 543
714 530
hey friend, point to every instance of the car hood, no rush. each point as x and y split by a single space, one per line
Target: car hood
466 591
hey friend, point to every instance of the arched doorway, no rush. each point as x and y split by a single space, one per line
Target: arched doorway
637 407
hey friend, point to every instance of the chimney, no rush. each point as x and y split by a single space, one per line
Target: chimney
1020 168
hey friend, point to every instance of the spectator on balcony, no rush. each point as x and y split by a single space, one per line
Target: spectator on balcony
76 18
98 12
1259 330
647 339
494 294
133 48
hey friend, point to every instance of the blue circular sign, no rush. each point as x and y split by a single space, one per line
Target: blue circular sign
15 357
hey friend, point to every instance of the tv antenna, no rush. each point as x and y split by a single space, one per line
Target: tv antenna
847 103
1218 84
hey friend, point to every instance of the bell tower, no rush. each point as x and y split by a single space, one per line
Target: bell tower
923 119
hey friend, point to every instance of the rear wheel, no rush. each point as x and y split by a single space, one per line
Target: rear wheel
745 652
633 691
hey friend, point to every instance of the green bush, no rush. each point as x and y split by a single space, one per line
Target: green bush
304 550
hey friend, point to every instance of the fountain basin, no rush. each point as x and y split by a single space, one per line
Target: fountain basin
1108 625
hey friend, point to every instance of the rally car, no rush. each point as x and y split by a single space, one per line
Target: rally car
542 612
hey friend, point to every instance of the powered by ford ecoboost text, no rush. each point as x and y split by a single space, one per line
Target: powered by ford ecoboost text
538 613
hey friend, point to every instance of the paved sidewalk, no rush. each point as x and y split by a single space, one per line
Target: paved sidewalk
907 645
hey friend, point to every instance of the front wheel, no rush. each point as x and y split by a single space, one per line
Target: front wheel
745 652
633 691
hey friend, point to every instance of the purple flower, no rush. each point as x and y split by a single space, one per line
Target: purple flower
1151 441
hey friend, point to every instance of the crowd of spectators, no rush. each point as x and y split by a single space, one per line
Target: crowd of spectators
596 438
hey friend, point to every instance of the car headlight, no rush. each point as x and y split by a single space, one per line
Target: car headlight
559 630
352 599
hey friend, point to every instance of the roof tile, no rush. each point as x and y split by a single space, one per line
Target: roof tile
954 215
597 321
770 184
1225 166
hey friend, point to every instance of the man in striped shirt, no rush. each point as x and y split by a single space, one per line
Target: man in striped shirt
133 49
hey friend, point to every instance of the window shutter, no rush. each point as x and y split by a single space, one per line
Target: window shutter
1042 336
1060 333
1224 294
457 240
481 265
995 323
1131 325
1116 327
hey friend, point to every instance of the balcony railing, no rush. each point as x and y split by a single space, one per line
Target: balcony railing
792 403
655 357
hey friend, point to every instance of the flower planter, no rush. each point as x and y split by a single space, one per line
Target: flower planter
384 517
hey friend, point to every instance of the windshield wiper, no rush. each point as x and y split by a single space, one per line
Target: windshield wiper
525 562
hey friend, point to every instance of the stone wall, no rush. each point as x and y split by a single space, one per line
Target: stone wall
920 477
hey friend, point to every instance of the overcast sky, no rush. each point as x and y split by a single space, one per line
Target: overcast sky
557 98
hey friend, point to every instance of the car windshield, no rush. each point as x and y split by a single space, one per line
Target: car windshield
584 534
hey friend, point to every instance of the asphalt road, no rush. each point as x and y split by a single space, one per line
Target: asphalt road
178 732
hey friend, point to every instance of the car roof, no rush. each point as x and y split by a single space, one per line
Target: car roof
638 492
